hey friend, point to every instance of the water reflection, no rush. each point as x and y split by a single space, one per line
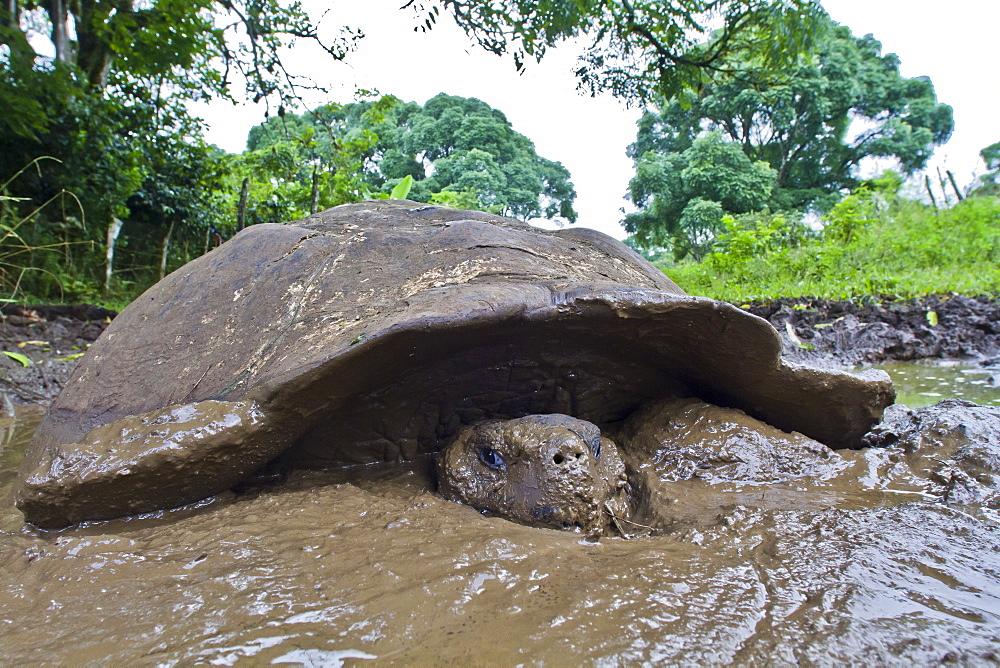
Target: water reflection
928 382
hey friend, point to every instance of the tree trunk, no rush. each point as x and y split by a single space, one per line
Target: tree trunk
10 14
164 249
94 54
60 38
314 199
241 209
114 228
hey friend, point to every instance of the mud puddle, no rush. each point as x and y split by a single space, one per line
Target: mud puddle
928 381
372 567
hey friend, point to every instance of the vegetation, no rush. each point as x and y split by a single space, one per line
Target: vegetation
101 88
802 136
989 183
106 182
455 150
873 242
640 49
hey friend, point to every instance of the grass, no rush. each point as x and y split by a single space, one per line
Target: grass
908 250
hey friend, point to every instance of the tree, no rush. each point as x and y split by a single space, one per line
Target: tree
990 182
637 48
684 195
451 145
154 47
845 103
115 88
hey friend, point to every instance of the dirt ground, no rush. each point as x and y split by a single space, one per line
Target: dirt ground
815 331
820 331
50 339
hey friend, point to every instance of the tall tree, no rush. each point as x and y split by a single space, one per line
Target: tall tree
450 145
815 125
684 195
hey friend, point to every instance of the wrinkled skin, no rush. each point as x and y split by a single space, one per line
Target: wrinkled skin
543 470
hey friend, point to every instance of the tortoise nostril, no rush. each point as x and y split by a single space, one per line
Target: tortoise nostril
562 457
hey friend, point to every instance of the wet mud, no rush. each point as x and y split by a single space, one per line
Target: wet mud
370 565
765 553
870 331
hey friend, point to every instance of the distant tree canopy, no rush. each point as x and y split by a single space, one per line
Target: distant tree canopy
455 149
810 128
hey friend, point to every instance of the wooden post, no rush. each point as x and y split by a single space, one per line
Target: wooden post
314 199
944 189
114 229
927 183
241 210
958 193
164 249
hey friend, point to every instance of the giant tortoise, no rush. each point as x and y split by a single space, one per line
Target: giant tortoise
380 332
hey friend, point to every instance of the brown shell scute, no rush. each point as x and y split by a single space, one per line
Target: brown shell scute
375 331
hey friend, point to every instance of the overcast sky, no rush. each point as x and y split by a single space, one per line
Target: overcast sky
953 43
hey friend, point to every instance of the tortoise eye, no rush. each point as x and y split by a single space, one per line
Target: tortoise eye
492 459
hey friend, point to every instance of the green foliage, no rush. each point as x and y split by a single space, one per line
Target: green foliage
465 199
989 185
814 122
895 247
146 50
23 359
637 48
295 165
402 189
684 195
450 144
23 259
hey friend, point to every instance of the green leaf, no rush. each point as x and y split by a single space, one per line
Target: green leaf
932 318
23 359
402 188
70 358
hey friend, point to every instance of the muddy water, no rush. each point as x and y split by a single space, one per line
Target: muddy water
927 382
373 568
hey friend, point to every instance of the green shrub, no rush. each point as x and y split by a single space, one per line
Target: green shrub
872 244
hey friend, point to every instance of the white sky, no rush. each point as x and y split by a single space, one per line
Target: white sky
951 43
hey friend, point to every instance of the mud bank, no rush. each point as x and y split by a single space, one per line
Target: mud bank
871 331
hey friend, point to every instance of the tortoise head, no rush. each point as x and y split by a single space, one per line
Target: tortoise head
543 470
